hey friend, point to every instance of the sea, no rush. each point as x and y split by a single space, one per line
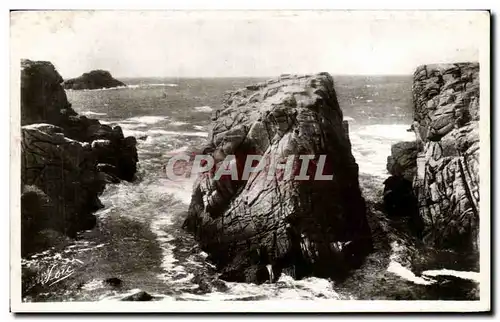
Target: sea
139 241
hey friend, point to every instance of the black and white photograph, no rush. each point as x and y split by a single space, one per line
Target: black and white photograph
256 161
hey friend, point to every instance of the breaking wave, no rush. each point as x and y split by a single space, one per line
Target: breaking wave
203 109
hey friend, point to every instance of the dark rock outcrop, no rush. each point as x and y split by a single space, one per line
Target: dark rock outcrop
66 159
140 296
445 156
96 79
257 228
403 159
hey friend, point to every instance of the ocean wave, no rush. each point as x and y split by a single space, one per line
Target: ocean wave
178 123
286 288
98 89
203 109
162 84
132 86
178 133
92 113
393 132
348 118
145 119
136 133
371 145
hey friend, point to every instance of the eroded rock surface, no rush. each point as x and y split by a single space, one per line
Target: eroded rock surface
66 159
257 228
446 165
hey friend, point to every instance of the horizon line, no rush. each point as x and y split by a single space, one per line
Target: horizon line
248 76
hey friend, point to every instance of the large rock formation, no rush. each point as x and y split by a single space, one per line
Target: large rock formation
443 163
66 159
95 79
255 229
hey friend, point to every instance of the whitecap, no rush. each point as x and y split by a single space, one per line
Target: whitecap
371 145
178 123
203 109
177 151
179 133
392 132
181 189
369 101
147 119
199 127
348 118
135 86
105 89
135 133
92 113
162 84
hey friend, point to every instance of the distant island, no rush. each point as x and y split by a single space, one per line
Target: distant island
95 79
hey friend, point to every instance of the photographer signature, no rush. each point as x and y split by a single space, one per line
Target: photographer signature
56 273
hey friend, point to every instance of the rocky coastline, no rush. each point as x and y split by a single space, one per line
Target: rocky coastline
66 160
442 164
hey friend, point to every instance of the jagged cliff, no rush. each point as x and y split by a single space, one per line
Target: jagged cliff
95 79
257 228
66 159
443 162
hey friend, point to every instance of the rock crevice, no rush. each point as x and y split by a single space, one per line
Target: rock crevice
443 164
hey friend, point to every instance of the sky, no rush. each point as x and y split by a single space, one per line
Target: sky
252 43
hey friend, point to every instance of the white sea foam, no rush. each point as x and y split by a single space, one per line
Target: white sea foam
132 126
178 133
99 89
371 145
203 109
348 118
285 288
135 86
177 151
135 133
178 123
392 132
405 273
92 113
369 101
148 119
199 127
473 276
162 84
181 190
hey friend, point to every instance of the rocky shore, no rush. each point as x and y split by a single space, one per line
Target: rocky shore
442 165
96 79
66 160
255 229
